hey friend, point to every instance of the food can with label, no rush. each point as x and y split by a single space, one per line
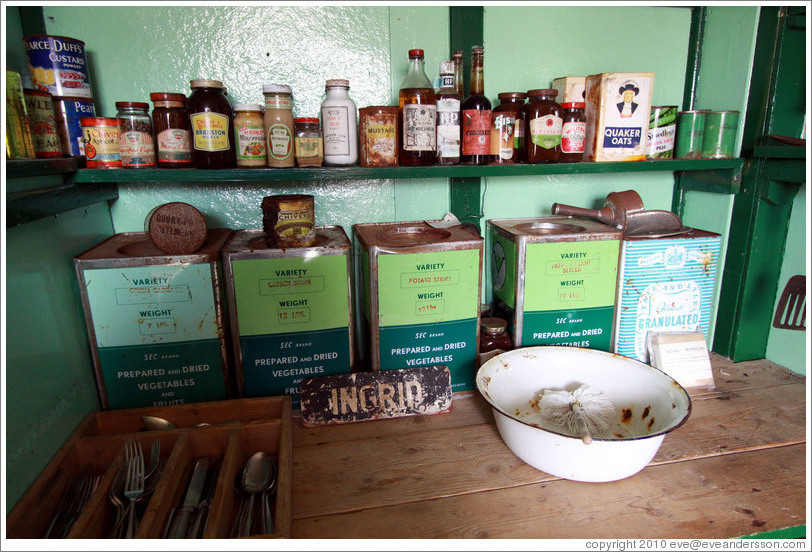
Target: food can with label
419 297
100 135
719 136
58 65
68 113
290 311
666 285
155 322
289 220
690 132
554 279
662 131
41 120
379 136
19 144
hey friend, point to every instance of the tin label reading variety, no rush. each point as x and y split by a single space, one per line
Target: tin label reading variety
157 334
427 309
293 321
666 285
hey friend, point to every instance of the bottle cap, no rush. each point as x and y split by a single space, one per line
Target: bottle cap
512 95
167 97
247 107
493 324
477 50
206 83
338 83
416 52
305 120
543 92
139 105
446 67
573 105
276 89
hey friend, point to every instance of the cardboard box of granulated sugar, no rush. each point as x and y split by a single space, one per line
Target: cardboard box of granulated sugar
618 107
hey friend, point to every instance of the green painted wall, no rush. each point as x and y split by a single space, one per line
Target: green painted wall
49 380
789 347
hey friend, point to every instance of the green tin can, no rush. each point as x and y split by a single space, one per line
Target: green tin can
662 129
720 134
690 131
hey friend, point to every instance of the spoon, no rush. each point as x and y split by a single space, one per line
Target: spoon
257 475
157 424
267 518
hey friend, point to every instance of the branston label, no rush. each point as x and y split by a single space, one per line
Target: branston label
362 396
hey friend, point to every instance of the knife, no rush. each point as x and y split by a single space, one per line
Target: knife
183 515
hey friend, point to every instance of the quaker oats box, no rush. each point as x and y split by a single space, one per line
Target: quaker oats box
618 106
554 279
570 89
666 285
419 297
155 321
290 311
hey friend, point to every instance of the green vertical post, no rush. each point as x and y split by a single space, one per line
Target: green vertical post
467 30
32 20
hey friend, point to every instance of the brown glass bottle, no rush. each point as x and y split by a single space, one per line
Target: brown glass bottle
542 123
476 116
212 121
417 112
506 129
456 59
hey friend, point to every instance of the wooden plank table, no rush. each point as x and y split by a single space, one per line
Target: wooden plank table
737 467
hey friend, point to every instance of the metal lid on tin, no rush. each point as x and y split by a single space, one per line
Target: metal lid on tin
176 228
167 97
493 324
138 105
82 42
276 89
337 83
206 83
305 120
98 121
247 107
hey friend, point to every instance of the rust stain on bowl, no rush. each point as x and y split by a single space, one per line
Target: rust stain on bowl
626 415
646 412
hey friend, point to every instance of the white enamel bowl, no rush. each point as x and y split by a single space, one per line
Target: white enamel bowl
648 405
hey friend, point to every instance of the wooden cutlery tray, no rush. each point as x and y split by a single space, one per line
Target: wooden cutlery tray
238 428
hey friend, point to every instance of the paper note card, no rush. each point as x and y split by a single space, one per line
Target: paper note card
683 356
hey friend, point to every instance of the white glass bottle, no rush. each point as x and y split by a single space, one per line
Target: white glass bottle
339 123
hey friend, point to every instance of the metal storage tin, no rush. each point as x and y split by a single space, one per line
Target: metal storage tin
58 65
554 279
290 311
666 284
155 321
419 297
719 135
690 133
68 113
662 130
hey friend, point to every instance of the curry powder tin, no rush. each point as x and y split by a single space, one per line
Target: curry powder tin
554 279
419 297
666 285
155 321
618 106
290 311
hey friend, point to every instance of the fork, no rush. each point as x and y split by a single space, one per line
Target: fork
114 495
134 486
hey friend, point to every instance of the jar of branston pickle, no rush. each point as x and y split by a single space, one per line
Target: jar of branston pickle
308 142
212 120
249 135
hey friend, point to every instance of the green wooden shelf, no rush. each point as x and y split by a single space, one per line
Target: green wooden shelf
23 207
25 168
363 173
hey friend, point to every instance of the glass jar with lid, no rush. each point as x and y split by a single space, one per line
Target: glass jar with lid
135 143
542 121
279 125
573 132
493 335
212 120
308 142
506 129
170 122
249 135
339 122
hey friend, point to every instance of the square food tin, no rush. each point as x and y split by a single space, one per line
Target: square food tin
570 89
666 284
290 311
618 106
419 297
155 321
554 279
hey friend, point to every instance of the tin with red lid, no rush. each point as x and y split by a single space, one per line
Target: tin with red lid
100 135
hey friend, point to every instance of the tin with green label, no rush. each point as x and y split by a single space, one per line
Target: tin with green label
690 132
155 321
290 311
662 130
719 135
419 297
554 279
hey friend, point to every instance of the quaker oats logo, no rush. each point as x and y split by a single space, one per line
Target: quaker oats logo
627 94
499 265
